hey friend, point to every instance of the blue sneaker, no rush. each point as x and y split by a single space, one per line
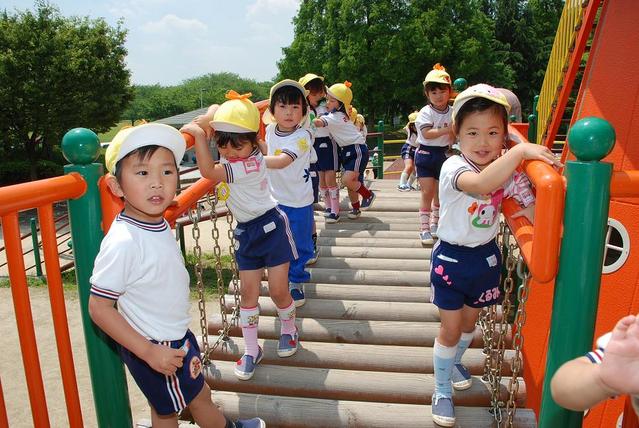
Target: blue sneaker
443 411
367 202
327 212
461 378
245 366
287 345
426 237
249 423
332 218
297 293
354 213
403 187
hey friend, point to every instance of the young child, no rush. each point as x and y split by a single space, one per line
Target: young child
466 261
434 136
408 154
579 384
140 267
263 238
352 142
290 149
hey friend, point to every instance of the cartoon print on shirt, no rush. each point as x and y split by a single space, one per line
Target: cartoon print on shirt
485 214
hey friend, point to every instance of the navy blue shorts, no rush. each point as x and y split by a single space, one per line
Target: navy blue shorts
408 151
429 161
327 154
465 276
169 394
315 182
265 241
355 158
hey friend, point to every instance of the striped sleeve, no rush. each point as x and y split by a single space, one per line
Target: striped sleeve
102 292
456 175
292 154
595 356
229 172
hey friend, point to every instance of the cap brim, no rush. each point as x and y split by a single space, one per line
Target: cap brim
289 82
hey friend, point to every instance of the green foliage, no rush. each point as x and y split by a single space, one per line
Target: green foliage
385 48
57 73
152 102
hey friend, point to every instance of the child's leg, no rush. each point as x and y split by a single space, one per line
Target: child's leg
427 185
249 311
278 288
163 421
443 361
205 413
301 225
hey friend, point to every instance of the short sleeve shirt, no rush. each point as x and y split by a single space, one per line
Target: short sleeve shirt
291 186
140 266
342 129
431 118
465 219
246 191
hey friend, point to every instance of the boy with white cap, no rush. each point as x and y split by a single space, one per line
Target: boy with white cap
140 267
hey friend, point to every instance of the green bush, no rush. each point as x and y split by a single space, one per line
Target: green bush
18 171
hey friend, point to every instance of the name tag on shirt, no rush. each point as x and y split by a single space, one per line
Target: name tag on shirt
251 165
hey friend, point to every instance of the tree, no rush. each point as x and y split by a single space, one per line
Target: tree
57 73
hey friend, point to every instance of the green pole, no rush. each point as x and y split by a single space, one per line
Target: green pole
81 147
380 149
532 122
36 247
579 277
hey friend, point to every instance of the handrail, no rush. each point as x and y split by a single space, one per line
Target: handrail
24 196
539 243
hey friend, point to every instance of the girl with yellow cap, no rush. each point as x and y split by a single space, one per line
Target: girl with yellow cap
352 142
408 155
263 238
466 261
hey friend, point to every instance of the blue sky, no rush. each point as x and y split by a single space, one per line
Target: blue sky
170 41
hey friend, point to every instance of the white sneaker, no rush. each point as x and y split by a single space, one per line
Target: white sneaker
426 237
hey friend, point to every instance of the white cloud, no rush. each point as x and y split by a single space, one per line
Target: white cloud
271 7
170 23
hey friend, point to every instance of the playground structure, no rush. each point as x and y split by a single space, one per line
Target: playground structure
355 368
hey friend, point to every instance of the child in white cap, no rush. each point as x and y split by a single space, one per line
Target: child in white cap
353 144
466 261
263 237
140 267
408 154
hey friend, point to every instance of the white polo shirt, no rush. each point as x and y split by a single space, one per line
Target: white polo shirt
411 139
342 129
431 118
291 186
246 191
320 111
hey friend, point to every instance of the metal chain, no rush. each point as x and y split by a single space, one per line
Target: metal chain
235 280
197 252
518 341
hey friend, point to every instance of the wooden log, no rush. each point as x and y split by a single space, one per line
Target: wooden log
373 277
400 333
352 263
351 233
337 384
379 216
371 242
347 356
353 310
297 412
344 225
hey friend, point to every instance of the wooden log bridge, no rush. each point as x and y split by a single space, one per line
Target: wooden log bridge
366 335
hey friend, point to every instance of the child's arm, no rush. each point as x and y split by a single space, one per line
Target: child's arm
204 120
278 161
160 358
208 168
431 133
319 123
496 174
262 146
577 385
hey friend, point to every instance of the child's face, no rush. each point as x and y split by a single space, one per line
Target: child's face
147 185
439 97
481 137
315 97
332 103
288 116
232 153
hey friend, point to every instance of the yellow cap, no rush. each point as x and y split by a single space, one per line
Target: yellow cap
437 75
308 77
343 93
480 90
288 82
148 134
359 119
353 115
238 114
413 117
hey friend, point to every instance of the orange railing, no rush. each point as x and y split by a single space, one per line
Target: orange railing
41 195
539 243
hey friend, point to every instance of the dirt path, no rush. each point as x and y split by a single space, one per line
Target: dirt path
12 371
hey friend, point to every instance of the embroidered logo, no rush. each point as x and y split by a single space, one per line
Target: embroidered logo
306 175
195 367
223 191
302 144
278 152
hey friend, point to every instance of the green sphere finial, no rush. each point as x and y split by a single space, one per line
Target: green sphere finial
80 146
591 139
460 84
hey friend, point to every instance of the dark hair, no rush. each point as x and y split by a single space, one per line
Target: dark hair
235 139
479 105
315 85
431 86
143 153
412 129
288 95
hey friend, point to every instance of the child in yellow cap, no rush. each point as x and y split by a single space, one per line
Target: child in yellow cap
263 237
140 267
466 261
352 142
408 154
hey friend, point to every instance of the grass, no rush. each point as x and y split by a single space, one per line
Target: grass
209 276
106 137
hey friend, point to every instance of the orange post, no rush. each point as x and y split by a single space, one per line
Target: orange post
59 313
4 420
624 184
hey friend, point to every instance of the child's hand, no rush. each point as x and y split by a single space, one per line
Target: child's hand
195 130
528 212
620 366
537 152
163 359
204 120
